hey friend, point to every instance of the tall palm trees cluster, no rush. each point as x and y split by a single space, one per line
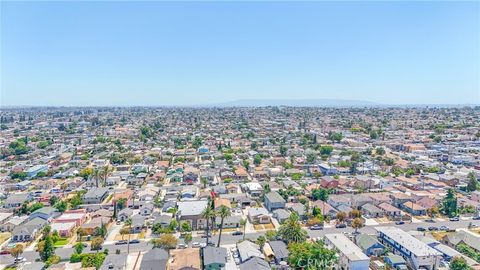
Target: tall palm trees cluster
101 174
209 214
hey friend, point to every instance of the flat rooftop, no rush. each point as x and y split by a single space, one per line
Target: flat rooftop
346 247
415 246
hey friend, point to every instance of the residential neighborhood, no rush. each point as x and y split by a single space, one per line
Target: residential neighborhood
240 188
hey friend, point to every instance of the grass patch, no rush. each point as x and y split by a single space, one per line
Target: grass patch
61 242
4 236
268 226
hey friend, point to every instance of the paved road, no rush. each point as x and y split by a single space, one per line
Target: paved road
228 239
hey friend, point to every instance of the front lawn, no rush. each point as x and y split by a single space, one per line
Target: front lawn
61 242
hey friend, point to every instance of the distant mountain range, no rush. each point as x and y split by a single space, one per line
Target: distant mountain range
297 103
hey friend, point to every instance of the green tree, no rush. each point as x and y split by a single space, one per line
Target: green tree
311 256
326 150
165 241
261 240
472 182
257 159
86 173
78 247
223 212
16 251
459 263
186 227
188 238
449 203
96 243
291 231
47 249
243 223
208 214
357 223
61 206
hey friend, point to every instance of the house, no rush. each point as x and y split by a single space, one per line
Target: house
258 215
147 209
154 259
369 245
124 214
360 200
78 217
395 261
217 202
27 231
417 254
183 259
273 200
298 208
4 218
113 262
13 222
16 200
255 263
64 228
214 258
390 210
191 211
254 189
138 223
336 200
97 222
228 222
280 251
163 220
372 211
414 209
350 256
247 250
462 237
47 213
281 215
95 195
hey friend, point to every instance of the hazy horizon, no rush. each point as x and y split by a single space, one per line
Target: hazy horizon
207 53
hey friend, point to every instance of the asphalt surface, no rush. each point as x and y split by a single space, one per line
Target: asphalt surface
228 239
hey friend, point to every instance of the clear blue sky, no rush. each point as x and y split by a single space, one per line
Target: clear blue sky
186 53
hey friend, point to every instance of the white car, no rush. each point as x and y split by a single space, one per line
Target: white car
195 244
20 259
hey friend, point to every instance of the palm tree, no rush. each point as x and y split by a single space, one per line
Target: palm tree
97 174
128 222
243 223
105 173
223 212
208 214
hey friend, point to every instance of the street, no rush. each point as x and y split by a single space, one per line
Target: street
228 239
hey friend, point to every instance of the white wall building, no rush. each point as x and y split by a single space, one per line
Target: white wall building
350 256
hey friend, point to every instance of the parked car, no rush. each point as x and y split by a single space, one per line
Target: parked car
121 242
454 219
20 259
5 252
430 220
181 246
316 227
341 226
135 241
421 229
237 233
476 218
432 228
443 228
195 244
400 222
